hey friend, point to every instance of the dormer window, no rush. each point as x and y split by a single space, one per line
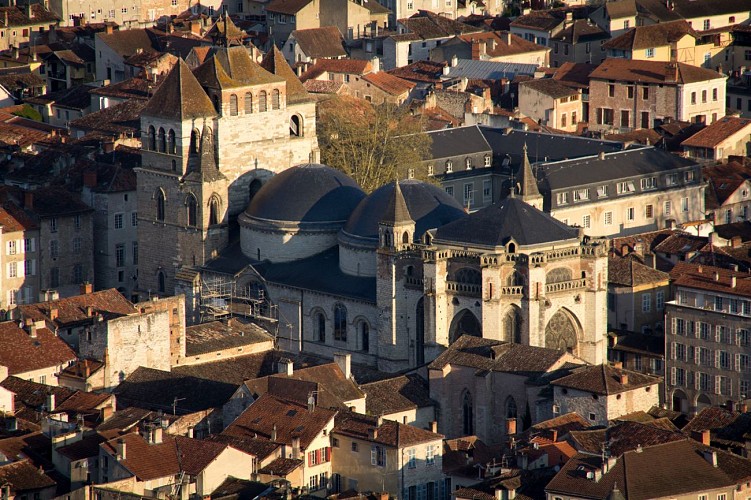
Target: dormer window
449 166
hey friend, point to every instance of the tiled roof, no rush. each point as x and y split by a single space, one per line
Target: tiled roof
344 66
713 135
219 335
550 87
389 83
627 271
32 445
290 7
651 36
57 201
16 81
563 424
291 420
621 8
604 379
324 86
281 466
73 310
124 420
87 447
539 20
420 71
180 97
259 448
123 118
275 63
627 70
22 477
132 88
711 418
503 44
146 461
581 31
688 9
493 355
389 432
76 98
427 25
127 42
703 277
680 243
317 43
574 74
22 353
195 455
13 218
397 394
17 16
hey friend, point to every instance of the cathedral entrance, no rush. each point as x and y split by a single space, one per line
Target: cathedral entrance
464 323
562 332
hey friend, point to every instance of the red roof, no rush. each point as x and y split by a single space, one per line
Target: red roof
21 352
109 303
389 83
713 135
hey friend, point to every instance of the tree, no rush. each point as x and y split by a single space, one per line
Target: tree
372 144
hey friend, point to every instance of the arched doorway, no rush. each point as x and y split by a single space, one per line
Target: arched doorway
464 323
680 401
512 325
253 189
420 332
562 332
702 402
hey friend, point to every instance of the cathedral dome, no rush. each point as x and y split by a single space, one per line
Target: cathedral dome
428 205
310 193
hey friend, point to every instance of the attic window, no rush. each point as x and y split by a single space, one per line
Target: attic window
255 421
291 413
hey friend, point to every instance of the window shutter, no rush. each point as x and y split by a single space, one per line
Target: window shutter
373 456
717 384
33 266
672 376
717 331
697 380
737 362
20 269
697 355
32 244
672 350
19 246
717 358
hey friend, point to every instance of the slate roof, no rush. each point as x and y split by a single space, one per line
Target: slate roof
492 355
651 36
549 87
497 224
318 43
21 353
605 380
393 395
703 278
389 432
219 335
627 70
716 133
180 97
626 164
489 70
73 310
626 271
289 418
457 141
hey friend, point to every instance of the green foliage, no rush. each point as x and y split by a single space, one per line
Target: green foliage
29 112
372 144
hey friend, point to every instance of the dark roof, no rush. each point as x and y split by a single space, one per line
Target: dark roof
16 81
574 74
549 87
627 271
238 489
281 466
497 224
639 343
406 392
618 165
605 380
229 67
539 20
688 9
259 448
123 118
307 194
180 97
493 355
317 43
73 310
76 98
457 141
427 205
289 419
581 31
87 447
387 432
287 6
22 476
219 335
127 42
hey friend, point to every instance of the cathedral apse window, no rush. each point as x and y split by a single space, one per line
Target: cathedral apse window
162 141
340 323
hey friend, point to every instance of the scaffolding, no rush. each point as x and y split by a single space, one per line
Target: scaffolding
221 298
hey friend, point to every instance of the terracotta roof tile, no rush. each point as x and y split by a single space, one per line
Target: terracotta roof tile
420 71
322 42
219 335
549 87
13 218
281 466
74 310
290 7
397 394
502 43
605 380
180 97
650 36
21 352
143 460
344 66
388 83
23 477
712 135
627 70
426 25
389 432
703 277
627 271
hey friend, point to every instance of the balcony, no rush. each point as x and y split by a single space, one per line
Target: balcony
413 282
564 286
469 289
512 290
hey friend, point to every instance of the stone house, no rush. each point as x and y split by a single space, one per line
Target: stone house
22 479
728 193
380 87
371 454
616 17
307 46
551 103
626 94
673 41
114 47
70 67
485 387
603 393
707 338
405 399
728 136
636 295
498 46
33 351
579 41
22 24
20 240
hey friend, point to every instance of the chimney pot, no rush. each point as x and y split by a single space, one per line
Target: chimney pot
732 281
50 403
510 426
86 288
53 313
434 426
345 364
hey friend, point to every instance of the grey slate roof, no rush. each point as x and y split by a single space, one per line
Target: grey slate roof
457 141
495 225
619 165
307 193
489 70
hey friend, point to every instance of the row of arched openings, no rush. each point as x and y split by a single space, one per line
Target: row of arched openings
266 100
161 141
191 204
510 410
340 327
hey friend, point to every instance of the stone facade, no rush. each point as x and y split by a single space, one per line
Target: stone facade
600 409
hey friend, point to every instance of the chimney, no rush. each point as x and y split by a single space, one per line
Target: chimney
285 366
671 72
732 281
601 155
106 412
490 45
156 435
190 432
121 450
454 61
89 178
195 27
569 16
711 457
109 28
704 437
344 361
50 402
617 364
295 447
373 433
507 37
716 276
273 433
384 495
510 426
375 64
700 269
33 330
623 379
554 437
89 311
15 52
53 313
28 200
434 426
86 288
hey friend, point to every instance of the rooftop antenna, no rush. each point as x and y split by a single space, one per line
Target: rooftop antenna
174 404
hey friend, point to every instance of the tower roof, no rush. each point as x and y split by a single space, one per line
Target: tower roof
274 62
180 97
527 181
396 211
229 67
225 32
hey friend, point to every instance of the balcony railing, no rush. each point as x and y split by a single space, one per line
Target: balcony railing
469 289
566 285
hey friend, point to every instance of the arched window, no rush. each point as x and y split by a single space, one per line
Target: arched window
171 144
233 105
192 210
468 422
248 103
364 336
195 141
340 323
319 324
262 101
160 201
511 411
405 238
162 141
275 99
295 126
213 211
151 144
161 280
469 276
511 248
